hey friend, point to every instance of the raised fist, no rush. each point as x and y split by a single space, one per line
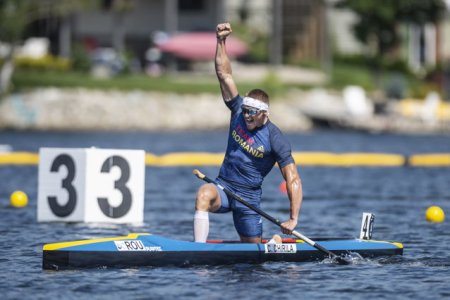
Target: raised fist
223 30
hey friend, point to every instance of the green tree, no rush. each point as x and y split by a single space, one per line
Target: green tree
13 20
16 15
379 20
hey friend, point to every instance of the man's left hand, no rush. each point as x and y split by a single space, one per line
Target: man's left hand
288 226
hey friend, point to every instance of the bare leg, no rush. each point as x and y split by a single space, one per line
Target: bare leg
208 199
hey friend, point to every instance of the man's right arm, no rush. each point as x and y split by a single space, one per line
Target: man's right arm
223 65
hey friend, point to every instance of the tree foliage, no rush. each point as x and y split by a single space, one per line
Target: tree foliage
16 15
379 20
13 19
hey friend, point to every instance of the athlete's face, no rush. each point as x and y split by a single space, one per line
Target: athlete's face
253 117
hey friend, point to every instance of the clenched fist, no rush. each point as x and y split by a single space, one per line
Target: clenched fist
223 30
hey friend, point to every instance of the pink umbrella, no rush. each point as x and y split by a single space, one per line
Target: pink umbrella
200 46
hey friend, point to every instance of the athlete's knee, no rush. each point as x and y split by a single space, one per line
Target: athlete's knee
206 197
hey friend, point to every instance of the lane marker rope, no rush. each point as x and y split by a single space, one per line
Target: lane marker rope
326 159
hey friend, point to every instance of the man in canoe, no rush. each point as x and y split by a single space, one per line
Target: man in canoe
255 144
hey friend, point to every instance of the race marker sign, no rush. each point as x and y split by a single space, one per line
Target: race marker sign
91 185
366 226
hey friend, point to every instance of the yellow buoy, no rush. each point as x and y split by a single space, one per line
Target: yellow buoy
18 199
434 214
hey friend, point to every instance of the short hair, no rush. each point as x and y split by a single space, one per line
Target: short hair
259 94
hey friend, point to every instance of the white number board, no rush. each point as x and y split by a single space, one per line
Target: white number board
366 226
91 185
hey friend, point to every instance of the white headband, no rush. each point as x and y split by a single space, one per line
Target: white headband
255 103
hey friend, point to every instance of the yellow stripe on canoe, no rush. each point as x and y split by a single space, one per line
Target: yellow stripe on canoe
56 246
399 245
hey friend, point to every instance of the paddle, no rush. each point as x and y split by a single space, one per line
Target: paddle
310 242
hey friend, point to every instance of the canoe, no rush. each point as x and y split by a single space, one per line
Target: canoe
144 249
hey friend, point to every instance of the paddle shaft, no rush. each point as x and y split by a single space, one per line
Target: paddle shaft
264 214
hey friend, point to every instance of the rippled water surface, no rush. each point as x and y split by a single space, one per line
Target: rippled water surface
333 204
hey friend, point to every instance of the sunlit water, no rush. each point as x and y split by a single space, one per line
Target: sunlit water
333 204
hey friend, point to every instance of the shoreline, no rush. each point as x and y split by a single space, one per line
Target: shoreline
81 109
85 109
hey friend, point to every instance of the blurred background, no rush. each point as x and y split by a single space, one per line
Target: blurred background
376 66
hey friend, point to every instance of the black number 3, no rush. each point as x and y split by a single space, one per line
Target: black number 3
120 184
64 210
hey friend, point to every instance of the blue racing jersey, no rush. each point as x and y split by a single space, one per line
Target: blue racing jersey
250 155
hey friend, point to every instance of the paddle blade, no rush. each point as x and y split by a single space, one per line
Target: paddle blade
342 260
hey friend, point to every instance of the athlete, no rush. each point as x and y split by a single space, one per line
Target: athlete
255 144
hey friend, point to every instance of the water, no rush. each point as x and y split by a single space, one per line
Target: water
334 199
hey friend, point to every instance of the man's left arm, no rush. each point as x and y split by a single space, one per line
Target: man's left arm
295 194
